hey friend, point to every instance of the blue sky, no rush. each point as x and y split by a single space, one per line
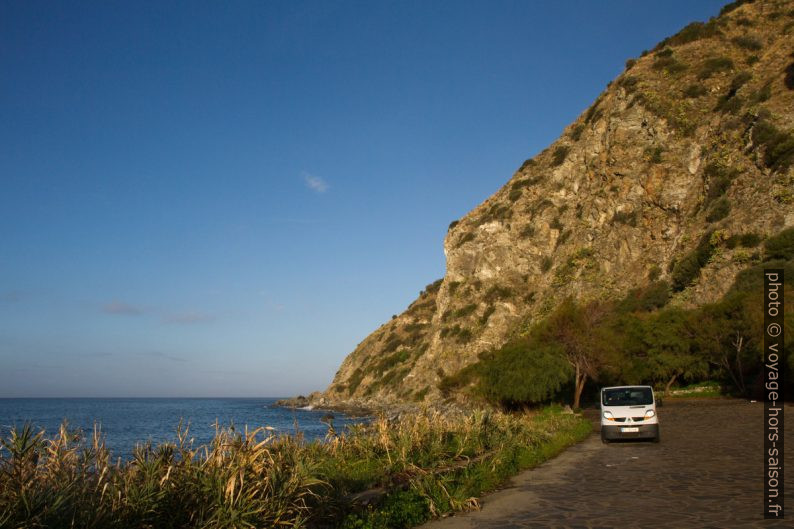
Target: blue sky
223 199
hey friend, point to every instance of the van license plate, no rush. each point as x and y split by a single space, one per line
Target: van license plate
627 430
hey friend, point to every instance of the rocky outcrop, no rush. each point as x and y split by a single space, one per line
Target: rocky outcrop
680 145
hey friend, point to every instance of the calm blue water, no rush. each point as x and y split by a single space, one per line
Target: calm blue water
126 422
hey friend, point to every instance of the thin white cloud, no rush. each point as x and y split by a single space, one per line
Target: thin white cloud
122 309
187 318
315 183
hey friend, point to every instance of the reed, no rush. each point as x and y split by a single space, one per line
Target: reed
425 465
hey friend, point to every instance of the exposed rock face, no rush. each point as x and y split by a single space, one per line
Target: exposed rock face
670 151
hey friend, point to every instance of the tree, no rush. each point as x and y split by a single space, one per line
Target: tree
583 339
668 340
522 373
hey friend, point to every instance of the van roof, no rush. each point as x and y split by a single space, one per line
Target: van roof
624 387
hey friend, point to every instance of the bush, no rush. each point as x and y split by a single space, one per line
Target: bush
695 90
762 94
654 273
745 240
714 65
527 231
453 224
692 32
654 154
560 153
497 292
625 217
630 63
780 246
645 299
629 82
788 80
514 195
748 43
719 210
668 64
467 237
519 374
727 8
546 263
527 163
576 132
778 145
688 268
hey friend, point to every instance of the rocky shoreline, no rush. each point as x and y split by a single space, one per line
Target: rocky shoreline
361 407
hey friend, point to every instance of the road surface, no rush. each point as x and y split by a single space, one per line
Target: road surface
706 473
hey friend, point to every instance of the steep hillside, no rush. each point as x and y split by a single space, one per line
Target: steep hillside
694 136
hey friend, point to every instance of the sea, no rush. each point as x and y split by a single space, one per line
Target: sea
125 422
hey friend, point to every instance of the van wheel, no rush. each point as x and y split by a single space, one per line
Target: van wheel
604 439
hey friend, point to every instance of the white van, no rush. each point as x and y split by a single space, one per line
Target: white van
629 412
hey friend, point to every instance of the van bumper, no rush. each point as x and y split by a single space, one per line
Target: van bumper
644 431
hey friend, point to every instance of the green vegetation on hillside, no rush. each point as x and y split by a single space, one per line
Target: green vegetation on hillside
640 339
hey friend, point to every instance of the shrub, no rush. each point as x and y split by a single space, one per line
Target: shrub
748 43
668 64
727 8
654 154
546 263
778 145
527 163
497 292
654 273
730 102
556 224
745 240
519 374
576 132
467 237
514 195
628 218
752 59
560 153
487 314
695 90
719 210
629 82
453 224
780 246
527 231
690 33
564 236
714 65
788 80
719 180
594 112
687 269
654 296
762 94
630 63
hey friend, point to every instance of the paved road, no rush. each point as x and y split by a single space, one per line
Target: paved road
705 473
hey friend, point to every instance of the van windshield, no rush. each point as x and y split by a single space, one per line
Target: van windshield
627 396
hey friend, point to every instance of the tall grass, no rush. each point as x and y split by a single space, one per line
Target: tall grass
419 466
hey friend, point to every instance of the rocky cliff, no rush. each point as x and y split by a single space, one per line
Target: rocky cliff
693 138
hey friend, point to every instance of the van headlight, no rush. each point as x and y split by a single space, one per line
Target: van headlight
608 416
650 414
